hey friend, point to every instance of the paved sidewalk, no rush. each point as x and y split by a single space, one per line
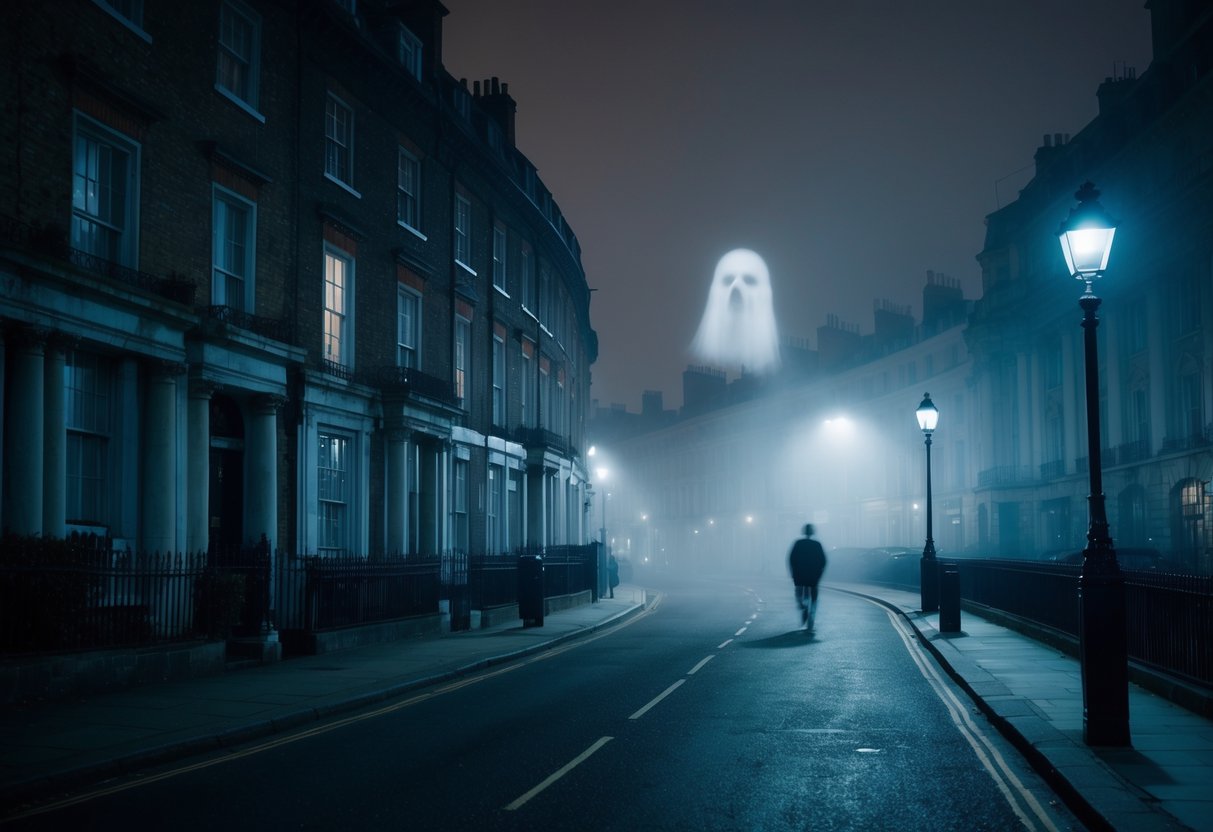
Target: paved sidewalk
1033 693
1030 690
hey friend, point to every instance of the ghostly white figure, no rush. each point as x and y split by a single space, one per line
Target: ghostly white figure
738 325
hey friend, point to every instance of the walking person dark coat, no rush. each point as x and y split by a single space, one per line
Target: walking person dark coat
807 562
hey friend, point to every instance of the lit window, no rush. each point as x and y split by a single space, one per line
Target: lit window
339 141
499 257
333 494
234 229
408 190
239 52
87 380
104 193
462 340
338 288
498 380
408 324
409 52
463 232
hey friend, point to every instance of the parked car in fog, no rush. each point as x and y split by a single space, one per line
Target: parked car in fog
1130 558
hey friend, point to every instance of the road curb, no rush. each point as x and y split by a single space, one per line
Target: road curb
1015 730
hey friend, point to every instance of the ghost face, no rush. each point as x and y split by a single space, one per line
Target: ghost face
738 325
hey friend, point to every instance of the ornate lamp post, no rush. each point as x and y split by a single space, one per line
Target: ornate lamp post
928 418
1086 242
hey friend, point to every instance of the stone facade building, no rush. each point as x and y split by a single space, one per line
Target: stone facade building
268 269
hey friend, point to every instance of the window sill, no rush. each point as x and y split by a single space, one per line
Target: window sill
501 291
465 267
239 102
124 21
341 184
530 314
412 230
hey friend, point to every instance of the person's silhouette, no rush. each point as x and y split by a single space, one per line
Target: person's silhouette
807 561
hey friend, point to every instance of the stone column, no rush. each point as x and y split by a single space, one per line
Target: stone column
23 435
54 427
397 489
159 486
198 466
262 485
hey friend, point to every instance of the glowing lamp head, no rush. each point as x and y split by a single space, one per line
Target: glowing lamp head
928 415
1086 235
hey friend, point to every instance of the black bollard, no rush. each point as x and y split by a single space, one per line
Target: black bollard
949 598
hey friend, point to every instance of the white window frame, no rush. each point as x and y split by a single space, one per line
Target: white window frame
461 365
498 380
132 20
343 315
336 144
125 249
500 259
463 232
342 542
408 354
495 509
460 469
223 201
408 51
408 191
89 426
247 99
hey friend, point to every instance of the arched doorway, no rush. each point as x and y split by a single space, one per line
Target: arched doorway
226 502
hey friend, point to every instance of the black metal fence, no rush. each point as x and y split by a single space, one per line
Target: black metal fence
326 593
80 593
1169 617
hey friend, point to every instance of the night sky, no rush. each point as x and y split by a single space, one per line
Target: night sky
853 145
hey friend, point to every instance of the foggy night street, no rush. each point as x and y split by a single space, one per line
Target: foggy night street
778 730
443 415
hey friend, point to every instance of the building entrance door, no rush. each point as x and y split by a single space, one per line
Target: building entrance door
226 500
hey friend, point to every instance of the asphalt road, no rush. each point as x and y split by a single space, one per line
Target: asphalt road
713 711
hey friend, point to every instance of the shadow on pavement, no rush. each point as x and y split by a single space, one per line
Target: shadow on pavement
792 638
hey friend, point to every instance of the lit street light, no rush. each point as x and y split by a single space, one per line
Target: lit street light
1086 241
928 580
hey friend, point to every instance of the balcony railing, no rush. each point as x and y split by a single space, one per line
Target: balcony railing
411 380
542 438
1004 475
1052 470
1135 451
275 328
51 241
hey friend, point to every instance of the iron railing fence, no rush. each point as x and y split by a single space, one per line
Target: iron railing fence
59 595
315 594
493 580
569 569
1168 617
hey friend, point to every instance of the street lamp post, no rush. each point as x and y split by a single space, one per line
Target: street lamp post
928 418
1086 241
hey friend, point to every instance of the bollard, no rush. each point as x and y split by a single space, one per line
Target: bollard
949 598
